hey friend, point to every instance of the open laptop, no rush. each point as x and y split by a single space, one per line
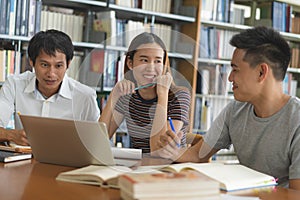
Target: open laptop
69 142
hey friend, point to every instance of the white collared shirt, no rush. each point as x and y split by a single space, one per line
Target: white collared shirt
73 101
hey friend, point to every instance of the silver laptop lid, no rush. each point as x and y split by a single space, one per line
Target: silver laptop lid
68 142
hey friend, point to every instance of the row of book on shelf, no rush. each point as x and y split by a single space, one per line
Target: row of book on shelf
167 6
214 92
278 15
213 79
106 26
100 69
295 28
151 5
20 17
120 32
9 63
63 19
25 17
29 16
207 108
289 84
295 60
220 10
214 43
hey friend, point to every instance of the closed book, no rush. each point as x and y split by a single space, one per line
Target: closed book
182 185
8 156
12 147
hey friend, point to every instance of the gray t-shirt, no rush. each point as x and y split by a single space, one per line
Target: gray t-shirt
269 145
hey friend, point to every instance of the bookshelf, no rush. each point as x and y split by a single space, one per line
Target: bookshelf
252 10
183 21
186 18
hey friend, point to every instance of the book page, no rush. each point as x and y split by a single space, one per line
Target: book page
179 167
234 177
167 168
230 177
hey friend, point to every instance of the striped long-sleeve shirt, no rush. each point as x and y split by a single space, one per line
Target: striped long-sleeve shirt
139 114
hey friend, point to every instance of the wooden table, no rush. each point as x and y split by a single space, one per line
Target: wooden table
33 180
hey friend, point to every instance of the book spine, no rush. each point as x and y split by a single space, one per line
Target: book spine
12 17
31 17
18 17
38 16
24 20
7 17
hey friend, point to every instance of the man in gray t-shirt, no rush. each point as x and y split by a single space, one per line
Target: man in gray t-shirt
270 145
263 124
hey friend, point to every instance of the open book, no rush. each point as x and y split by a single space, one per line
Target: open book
230 177
104 176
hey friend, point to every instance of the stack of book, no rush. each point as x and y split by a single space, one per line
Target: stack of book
14 153
182 185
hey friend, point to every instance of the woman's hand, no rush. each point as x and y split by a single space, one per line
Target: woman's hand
122 88
163 84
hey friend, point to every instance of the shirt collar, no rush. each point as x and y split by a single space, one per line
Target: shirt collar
31 85
64 91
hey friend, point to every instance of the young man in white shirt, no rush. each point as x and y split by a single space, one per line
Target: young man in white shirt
47 91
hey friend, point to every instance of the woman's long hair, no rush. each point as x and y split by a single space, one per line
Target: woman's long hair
145 38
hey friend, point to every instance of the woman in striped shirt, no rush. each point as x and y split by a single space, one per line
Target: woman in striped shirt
146 109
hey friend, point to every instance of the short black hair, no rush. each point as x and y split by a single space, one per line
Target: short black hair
50 42
263 44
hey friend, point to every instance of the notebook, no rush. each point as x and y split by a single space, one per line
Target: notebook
9 156
69 142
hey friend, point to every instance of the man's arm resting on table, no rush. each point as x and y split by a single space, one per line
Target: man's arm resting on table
294 184
17 136
4 136
200 152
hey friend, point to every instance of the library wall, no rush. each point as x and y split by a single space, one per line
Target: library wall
196 34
